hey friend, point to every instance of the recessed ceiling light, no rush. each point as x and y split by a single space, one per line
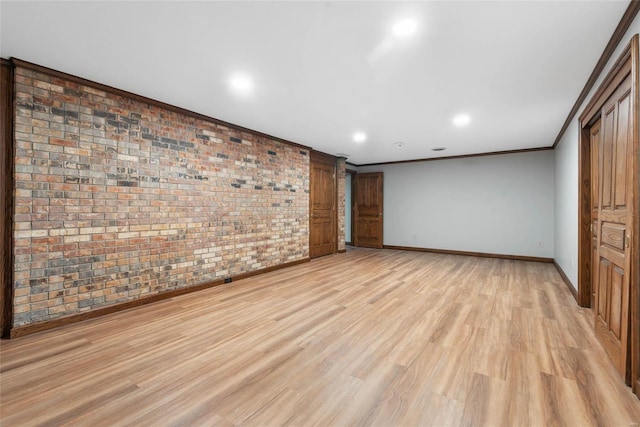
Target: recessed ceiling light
404 28
359 137
398 144
439 149
241 84
461 120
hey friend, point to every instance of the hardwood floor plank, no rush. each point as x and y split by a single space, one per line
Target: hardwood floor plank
477 402
370 337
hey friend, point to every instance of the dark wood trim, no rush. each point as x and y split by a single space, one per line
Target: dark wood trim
635 243
619 71
626 20
566 280
6 195
466 253
62 75
584 219
463 156
351 171
319 156
21 331
342 251
269 269
350 164
323 157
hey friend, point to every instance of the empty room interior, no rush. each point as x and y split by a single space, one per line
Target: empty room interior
271 213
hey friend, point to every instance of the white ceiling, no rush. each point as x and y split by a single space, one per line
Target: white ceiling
324 70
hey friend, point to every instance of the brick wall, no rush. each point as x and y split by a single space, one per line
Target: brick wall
116 199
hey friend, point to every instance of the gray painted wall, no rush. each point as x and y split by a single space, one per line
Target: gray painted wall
500 204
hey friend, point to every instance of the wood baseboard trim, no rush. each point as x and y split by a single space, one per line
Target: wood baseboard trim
341 251
465 253
566 280
21 331
269 269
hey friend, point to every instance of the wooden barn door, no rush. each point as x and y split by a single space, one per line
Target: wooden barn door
323 222
368 210
615 207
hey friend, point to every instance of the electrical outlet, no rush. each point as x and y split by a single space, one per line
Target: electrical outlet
228 280
541 244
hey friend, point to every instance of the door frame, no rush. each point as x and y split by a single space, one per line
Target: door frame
318 156
626 64
354 198
6 195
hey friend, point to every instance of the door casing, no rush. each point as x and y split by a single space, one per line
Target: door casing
324 159
626 65
6 195
374 215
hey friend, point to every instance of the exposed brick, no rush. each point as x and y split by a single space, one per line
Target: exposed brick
117 200
341 170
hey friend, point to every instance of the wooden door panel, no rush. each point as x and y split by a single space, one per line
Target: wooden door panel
368 235
603 282
613 235
611 321
595 147
594 267
606 161
322 209
595 154
322 197
614 218
368 209
622 142
615 304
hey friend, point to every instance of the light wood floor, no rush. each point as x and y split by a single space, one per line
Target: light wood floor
371 337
